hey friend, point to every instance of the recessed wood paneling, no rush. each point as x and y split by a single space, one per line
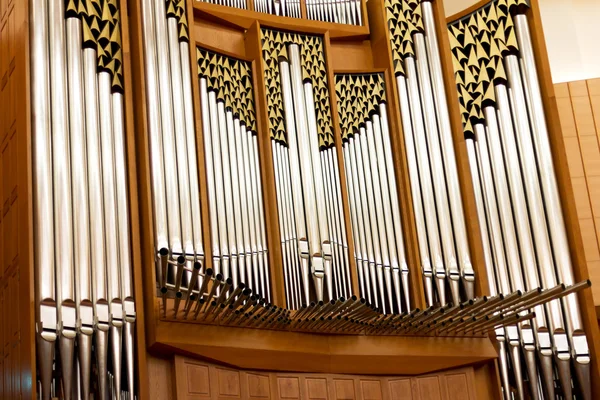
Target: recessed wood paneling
429 388
579 113
198 381
289 387
457 387
400 389
228 383
371 389
344 389
316 388
258 386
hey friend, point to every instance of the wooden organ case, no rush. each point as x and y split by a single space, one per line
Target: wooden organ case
287 199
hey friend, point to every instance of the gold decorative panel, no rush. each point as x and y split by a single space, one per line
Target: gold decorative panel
358 96
101 22
231 80
312 53
479 42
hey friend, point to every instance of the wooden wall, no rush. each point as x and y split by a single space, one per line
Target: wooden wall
188 379
16 281
579 112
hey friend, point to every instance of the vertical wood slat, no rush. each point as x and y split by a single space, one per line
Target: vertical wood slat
578 123
133 203
254 51
335 122
557 145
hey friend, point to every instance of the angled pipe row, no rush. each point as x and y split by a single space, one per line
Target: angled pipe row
284 8
337 11
229 3
84 295
219 302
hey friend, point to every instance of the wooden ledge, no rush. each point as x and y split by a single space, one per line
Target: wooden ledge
243 19
305 352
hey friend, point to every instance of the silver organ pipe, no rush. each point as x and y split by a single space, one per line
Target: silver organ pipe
85 293
241 4
172 141
443 246
232 165
311 219
363 119
499 91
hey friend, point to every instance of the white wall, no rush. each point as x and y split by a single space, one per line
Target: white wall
572 31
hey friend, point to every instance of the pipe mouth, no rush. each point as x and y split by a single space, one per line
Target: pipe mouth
163 252
209 272
181 260
229 281
197 265
219 277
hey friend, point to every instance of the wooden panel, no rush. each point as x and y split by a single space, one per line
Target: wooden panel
400 389
371 389
344 389
258 386
429 388
316 388
579 113
457 388
289 387
228 384
160 380
351 56
200 380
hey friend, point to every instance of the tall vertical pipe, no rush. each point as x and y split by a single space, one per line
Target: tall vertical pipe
165 92
190 136
415 187
440 189
81 233
207 132
552 201
43 206
63 229
439 94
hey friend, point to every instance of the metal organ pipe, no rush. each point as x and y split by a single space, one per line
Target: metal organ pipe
445 132
84 200
370 175
43 207
499 74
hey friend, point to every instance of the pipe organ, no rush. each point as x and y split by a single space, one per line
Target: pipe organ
312 228
84 296
517 197
439 214
376 221
334 187
235 193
